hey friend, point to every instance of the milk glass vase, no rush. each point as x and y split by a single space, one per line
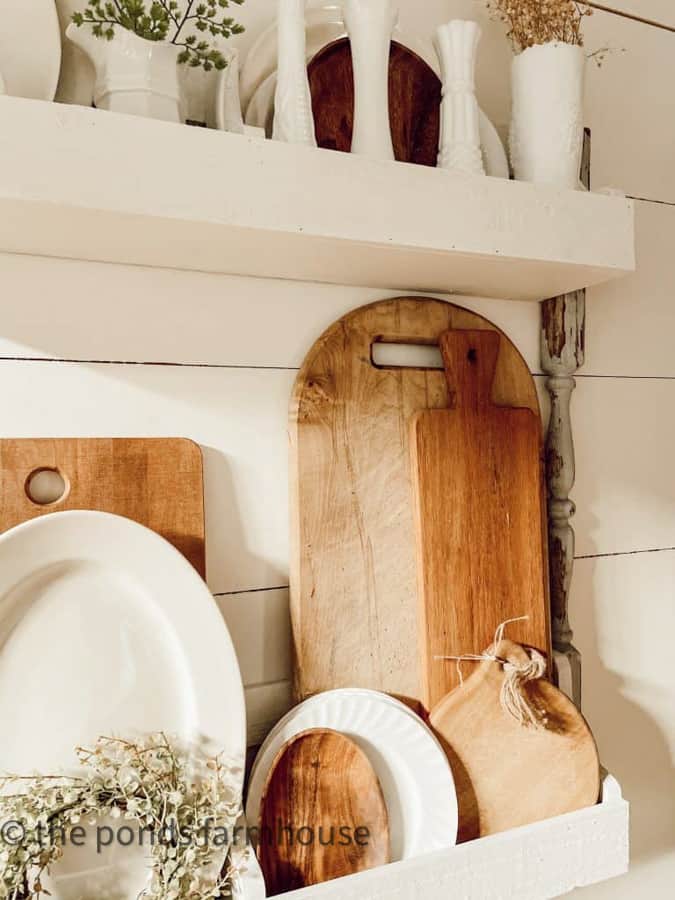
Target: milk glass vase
547 125
460 147
293 117
370 24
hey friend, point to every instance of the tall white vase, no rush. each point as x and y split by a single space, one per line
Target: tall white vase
293 117
460 148
547 125
370 24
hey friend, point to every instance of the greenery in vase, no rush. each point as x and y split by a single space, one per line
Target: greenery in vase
531 22
188 24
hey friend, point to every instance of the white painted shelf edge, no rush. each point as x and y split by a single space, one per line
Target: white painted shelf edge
537 862
87 184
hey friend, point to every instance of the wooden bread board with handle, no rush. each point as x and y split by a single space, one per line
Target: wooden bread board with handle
354 604
157 482
478 499
508 775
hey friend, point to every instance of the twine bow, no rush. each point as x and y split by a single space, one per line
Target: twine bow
513 697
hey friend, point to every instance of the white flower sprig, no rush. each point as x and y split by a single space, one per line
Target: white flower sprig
175 791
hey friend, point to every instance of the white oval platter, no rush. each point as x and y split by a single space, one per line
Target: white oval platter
410 764
105 629
30 48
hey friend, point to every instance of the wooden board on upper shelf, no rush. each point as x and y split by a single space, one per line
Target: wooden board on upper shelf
157 482
353 570
478 491
414 102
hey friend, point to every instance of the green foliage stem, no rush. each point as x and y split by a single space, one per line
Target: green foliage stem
188 24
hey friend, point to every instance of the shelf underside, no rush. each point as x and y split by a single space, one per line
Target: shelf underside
85 184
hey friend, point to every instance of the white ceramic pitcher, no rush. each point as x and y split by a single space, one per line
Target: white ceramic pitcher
141 78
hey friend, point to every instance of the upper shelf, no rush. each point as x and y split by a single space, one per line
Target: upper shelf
85 184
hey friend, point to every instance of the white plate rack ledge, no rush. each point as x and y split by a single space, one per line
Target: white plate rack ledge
536 862
87 184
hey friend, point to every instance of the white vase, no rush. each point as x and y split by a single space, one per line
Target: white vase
370 24
460 147
547 124
293 116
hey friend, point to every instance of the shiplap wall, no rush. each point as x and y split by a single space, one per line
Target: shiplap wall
89 349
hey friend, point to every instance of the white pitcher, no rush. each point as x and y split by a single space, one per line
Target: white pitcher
370 24
141 78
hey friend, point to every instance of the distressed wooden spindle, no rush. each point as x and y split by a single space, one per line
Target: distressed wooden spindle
562 355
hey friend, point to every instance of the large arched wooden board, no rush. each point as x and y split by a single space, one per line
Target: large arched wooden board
353 568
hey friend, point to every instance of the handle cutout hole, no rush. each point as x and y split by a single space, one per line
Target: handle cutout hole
46 486
388 355
472 356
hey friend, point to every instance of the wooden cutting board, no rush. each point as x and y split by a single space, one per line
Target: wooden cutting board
353 568
323 786
414 102
478 500
157 482
507 775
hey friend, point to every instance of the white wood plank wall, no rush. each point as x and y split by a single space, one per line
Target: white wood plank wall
89 349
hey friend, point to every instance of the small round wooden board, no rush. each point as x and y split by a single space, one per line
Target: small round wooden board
322 813
508 775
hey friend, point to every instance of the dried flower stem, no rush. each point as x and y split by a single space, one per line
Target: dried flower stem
531 22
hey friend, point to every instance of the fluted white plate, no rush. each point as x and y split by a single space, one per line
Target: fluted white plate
410 764
30 48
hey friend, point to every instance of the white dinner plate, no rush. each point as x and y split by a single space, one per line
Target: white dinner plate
260 114
30 48
106 629
410 764
325 24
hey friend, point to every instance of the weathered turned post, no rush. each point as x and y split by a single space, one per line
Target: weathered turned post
562 355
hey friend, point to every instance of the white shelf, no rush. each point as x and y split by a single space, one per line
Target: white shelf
537 862
86 184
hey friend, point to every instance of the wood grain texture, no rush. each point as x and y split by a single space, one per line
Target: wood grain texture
414 102
323 815
478 500
156 482
507 775
353 572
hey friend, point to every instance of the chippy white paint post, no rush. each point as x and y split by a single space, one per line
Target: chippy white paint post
460 149
563 348
293 116
370 24
562 353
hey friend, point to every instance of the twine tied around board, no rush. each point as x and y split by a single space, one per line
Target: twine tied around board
513 697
